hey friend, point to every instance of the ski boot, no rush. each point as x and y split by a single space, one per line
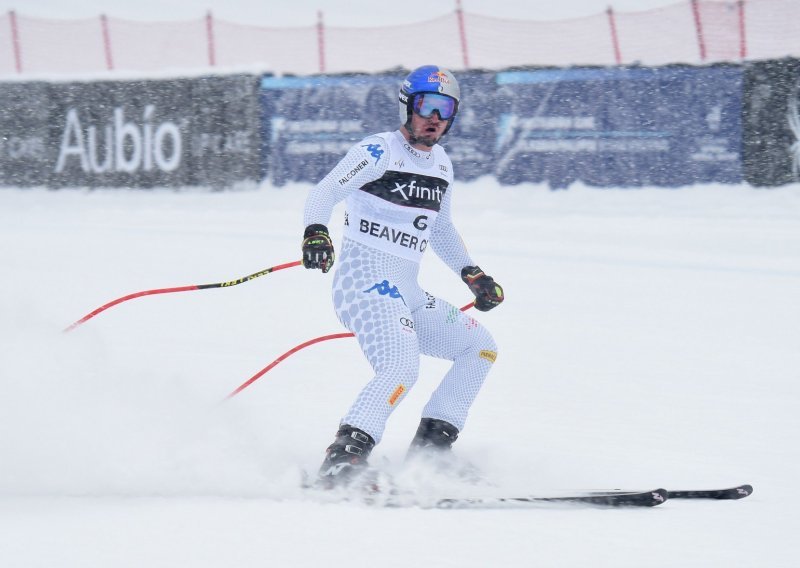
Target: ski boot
345 461
433 437
431 448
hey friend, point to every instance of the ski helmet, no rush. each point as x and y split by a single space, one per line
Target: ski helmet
429 79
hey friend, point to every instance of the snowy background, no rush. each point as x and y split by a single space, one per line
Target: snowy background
649 338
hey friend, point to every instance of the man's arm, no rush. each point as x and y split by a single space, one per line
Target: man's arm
446 242
360 165
449 246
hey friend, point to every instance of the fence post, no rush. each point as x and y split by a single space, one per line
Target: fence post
106 42
698 25
612 23
12 18
321 41
212 56
462 32
742 32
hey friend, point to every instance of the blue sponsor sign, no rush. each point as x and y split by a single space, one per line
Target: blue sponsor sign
622 127
309 123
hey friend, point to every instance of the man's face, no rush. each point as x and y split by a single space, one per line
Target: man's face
426 131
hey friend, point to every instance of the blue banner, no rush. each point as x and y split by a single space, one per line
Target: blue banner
309 123
621 127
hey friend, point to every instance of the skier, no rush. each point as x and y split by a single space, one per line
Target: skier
397 188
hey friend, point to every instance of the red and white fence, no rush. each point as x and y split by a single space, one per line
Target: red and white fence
691 31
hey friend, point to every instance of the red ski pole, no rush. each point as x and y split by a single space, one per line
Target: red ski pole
241 280
297 348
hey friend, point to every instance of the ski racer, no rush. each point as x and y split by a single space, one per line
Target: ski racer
398 190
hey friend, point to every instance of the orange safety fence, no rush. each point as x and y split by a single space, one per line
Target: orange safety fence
692 31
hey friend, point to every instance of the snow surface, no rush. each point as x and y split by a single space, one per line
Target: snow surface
649 338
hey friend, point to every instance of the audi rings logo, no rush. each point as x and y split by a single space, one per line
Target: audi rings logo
408 324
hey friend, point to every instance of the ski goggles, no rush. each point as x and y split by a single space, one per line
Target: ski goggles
424 104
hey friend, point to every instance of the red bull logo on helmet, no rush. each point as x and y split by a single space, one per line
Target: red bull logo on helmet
438 77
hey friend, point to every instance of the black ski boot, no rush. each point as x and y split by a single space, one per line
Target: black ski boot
431 448
346 459
433 436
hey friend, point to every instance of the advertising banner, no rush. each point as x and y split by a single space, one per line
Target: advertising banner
621 127
311 122
24 134
176 133
772 122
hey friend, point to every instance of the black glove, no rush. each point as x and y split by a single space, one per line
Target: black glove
488 293
317 248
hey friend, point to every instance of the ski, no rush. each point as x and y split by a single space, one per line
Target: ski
607 499
737 492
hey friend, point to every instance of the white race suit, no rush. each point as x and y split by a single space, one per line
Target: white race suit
397 201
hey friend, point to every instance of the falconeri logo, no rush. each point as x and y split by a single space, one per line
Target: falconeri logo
127 146
360 166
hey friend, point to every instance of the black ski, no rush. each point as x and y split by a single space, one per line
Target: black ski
611 499
738 492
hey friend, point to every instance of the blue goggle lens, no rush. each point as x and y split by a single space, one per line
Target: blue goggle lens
425 103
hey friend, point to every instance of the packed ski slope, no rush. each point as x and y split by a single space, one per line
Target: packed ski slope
649 338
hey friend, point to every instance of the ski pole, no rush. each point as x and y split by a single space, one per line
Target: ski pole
297 348
241 280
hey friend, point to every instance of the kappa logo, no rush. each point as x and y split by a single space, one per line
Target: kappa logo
374 150
386 289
